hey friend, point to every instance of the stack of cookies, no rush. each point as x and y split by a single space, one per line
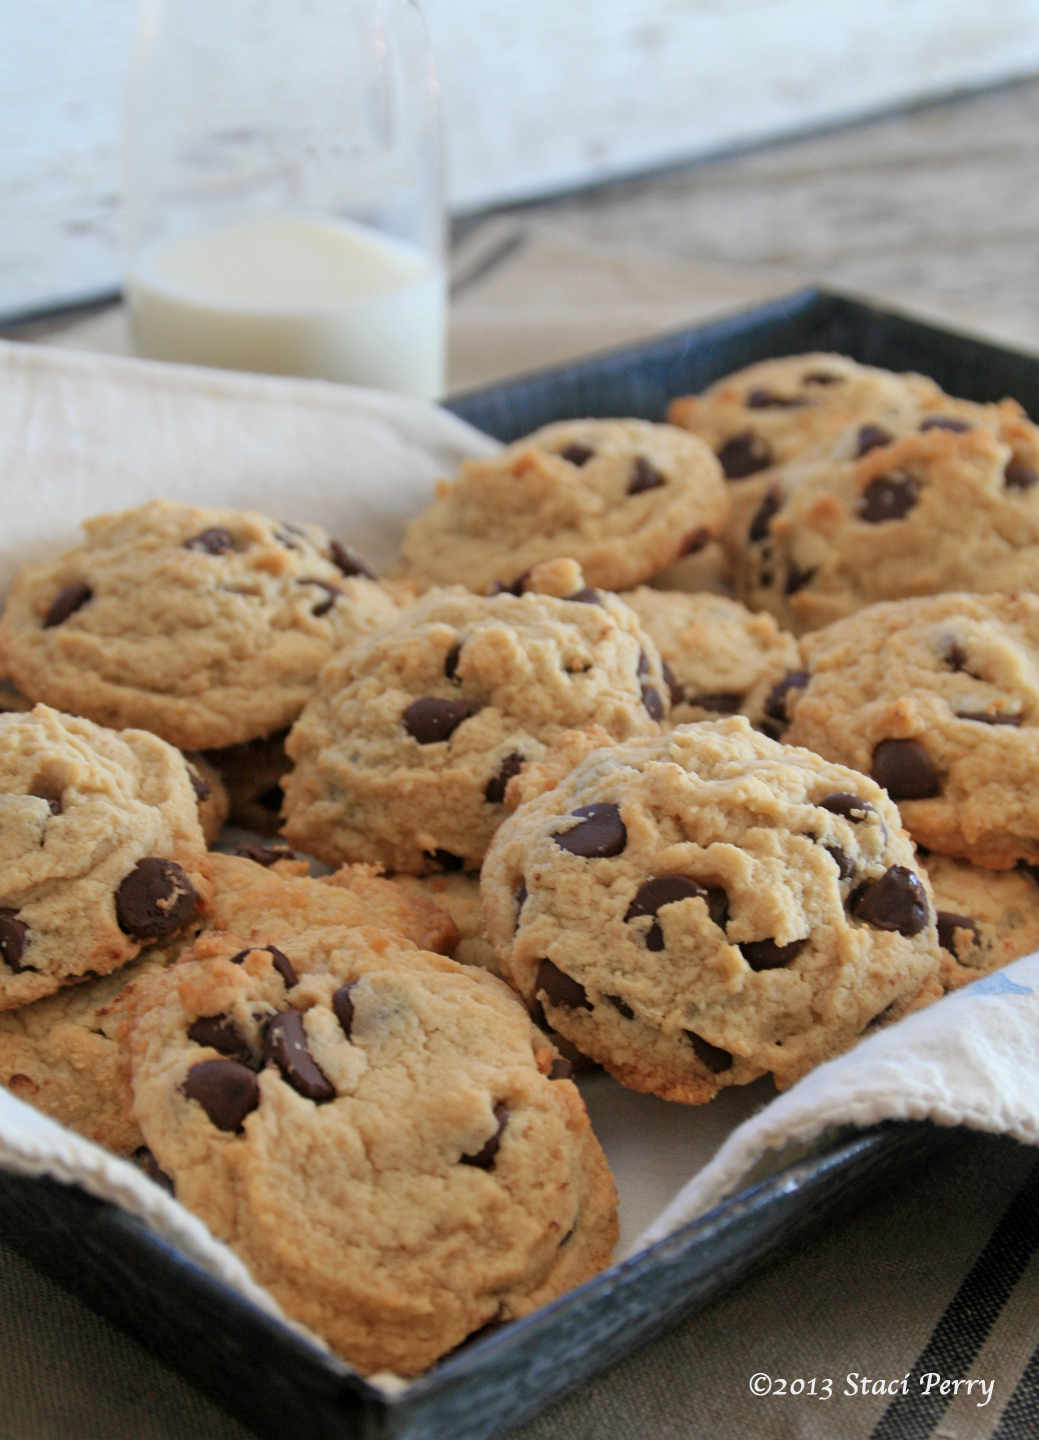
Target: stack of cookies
657 828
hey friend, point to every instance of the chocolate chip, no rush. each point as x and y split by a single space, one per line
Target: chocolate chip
653 703
587 596
671 681
55 805
451 662
888 497
954 654
948 924
849 807
561 989
821 377
642 668
767 955
577 454
220 1033
227 1091
499 587
719 702
343 1008
946 422
768 508
264 855
431 719
214 541
67 602
652 895
323 606
155 899
905 770
775 705
897 901
281 962
484 1157
644 477
286 1044
494 790
349 562
12 941
797 579
521 900
762 399
445 860
871 437
271 799
1019 475
198 784
560 1069
845 864
146 1162
710 1055
744 455
601 834
982 717
621 1005
284 535
695 541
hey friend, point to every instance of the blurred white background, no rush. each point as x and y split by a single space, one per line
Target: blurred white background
539 97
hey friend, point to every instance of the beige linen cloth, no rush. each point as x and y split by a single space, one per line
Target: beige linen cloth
940 1277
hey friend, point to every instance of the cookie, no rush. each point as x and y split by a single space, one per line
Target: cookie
781 410
721 659
211 794
252 775
986 918
207 627
61 1054
935 511
938 700
378 1137
624 498
100 850
402 758
458 895
697 910
278 899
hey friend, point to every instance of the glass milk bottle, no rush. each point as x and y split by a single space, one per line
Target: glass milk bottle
283 190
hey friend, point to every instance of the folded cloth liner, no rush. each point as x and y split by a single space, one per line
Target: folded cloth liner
80 434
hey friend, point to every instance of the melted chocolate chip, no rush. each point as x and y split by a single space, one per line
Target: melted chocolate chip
286 1044
347 560
601 834
445 860
671 681
762 399
324 606
621 1006
897 901
1019 475
220 1033
744 455
905 770
948 924
343 1008
644 477
12 941
797 579
982 717
710 1055
494 790
955 656
719 702
214 541
588 596
767 955
560 988
431 720
652 895
871 437
821 377
227 1091
451 662
888 497
67 602
198 783
653 703
845 864
775 705
281 962
484 1157
155 899
560 1069
577 454
768 508
946 422
521 900
264 855
148 1165
849 807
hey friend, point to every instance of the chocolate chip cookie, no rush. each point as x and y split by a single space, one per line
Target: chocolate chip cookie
695 910
941 509
986 918
623 498
403 757
938 700
719 658
100 850
207 627
211 794
252 775
379 1137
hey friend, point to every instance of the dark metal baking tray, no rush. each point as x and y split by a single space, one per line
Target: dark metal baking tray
261 1371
